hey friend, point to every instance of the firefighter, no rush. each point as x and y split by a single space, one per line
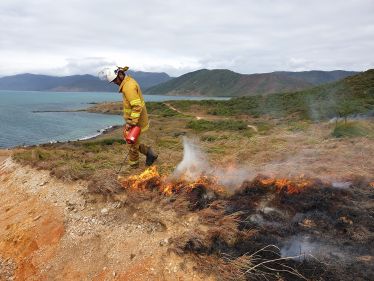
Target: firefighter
134 111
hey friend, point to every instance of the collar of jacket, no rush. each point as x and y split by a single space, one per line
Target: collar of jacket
127 78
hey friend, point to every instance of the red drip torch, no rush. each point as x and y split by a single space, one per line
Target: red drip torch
131 135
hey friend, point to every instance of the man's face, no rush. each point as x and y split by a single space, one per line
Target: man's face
119 79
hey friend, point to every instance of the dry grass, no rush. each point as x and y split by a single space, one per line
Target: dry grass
279 148
105 183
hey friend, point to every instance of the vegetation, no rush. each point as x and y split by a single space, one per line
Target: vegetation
116 108
250 130
353 95
75 160
222 82
218 125
161 109
352 129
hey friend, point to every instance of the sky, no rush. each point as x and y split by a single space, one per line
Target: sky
247 36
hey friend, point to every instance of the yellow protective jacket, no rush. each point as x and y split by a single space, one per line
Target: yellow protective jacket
134 109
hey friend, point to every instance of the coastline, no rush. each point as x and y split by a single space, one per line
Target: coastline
93 108
101 132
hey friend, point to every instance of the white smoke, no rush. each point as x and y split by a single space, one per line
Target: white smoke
302 247
195 164
299 247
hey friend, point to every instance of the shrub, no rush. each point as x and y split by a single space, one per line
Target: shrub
222 125
349 130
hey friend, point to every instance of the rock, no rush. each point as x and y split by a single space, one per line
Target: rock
36 218
268 210
164 242
104 211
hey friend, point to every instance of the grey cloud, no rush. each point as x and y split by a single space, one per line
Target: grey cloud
70 37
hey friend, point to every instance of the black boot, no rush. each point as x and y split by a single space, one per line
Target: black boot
151 157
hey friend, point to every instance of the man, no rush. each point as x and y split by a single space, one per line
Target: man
134 111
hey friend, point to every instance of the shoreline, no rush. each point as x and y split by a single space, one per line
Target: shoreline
67 110
99 133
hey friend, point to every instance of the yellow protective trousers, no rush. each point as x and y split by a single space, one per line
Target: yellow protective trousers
134 151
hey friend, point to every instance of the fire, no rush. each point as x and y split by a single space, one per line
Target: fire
151 179
371 184
146 179
287 185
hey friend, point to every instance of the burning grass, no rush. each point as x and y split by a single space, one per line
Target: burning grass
252 234
151 179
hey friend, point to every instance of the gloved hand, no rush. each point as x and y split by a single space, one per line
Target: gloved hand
128 127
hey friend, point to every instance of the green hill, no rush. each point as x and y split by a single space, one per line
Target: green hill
350 96
222 82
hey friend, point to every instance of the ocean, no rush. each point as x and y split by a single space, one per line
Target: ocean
20 125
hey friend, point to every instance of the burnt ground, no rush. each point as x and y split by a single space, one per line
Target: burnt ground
266 232
133 231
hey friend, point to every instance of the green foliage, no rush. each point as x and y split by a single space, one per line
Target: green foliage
298 126
74 160
226 83
169 143
212 138
160 109
349 130
217 82
221 125
353 95
109 141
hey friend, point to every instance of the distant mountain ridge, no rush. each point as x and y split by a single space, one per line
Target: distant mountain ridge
318 77
203 82
75 83
222 82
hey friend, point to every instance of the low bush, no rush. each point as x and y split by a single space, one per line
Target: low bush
221 125
349 130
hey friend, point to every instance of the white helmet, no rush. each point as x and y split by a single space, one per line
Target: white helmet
109 73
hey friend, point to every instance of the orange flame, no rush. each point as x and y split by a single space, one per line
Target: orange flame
150 178
287 185
141 181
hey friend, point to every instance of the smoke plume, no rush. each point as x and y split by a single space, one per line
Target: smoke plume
195 164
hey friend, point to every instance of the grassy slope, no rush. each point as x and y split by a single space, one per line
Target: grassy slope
225 134
352 95
220 82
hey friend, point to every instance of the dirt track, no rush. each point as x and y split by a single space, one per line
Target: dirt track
50 230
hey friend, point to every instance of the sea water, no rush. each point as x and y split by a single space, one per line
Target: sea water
21 125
